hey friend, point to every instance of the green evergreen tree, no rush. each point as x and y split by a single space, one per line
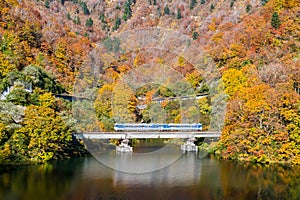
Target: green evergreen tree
86 35
248 8
112 44
212 7
158 11
232 3
47 4
117 23
193 4
154 2
77 21
104 27
62 2
178 16
275 21
263 2
85 8
127 11
102 18
89 22
166 10
69 16
195 35
202 2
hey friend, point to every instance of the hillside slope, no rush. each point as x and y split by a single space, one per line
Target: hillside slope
254 45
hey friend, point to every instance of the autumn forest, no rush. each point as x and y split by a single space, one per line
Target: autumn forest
55 48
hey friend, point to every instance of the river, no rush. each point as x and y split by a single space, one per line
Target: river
189 177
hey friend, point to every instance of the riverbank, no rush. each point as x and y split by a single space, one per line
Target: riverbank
211 149
75 149
214 149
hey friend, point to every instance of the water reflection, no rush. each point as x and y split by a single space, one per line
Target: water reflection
188 178
50 181
182 173
136 162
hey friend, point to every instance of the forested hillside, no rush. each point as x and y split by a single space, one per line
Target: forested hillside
254 45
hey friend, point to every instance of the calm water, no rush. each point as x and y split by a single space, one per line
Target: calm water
188 178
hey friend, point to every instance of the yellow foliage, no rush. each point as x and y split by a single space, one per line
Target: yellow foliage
103 102
5 152
291 3
194 78
204 106
132 103
160 61
5 65
278 5
237 50
149 95
71 34
60 52
105 87
4 11
251 73
123 68
177 119
181 61
12 2
276 42
47 100
256 98
139 60
123 102
111 73
212 26
218 37
234 80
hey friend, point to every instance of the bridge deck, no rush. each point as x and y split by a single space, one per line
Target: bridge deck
140 135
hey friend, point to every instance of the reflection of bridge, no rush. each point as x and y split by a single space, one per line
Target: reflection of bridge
140 135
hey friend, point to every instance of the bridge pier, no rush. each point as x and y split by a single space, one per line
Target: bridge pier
124 146
189 145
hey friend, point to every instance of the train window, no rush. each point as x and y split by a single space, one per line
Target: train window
158 127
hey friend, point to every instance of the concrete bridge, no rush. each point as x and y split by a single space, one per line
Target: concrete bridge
140 135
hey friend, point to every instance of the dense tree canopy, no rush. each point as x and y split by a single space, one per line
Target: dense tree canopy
254 45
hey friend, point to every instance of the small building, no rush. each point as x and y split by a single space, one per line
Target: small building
27 86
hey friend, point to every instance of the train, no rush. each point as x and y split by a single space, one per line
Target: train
157 127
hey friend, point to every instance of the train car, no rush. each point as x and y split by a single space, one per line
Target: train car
157 127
